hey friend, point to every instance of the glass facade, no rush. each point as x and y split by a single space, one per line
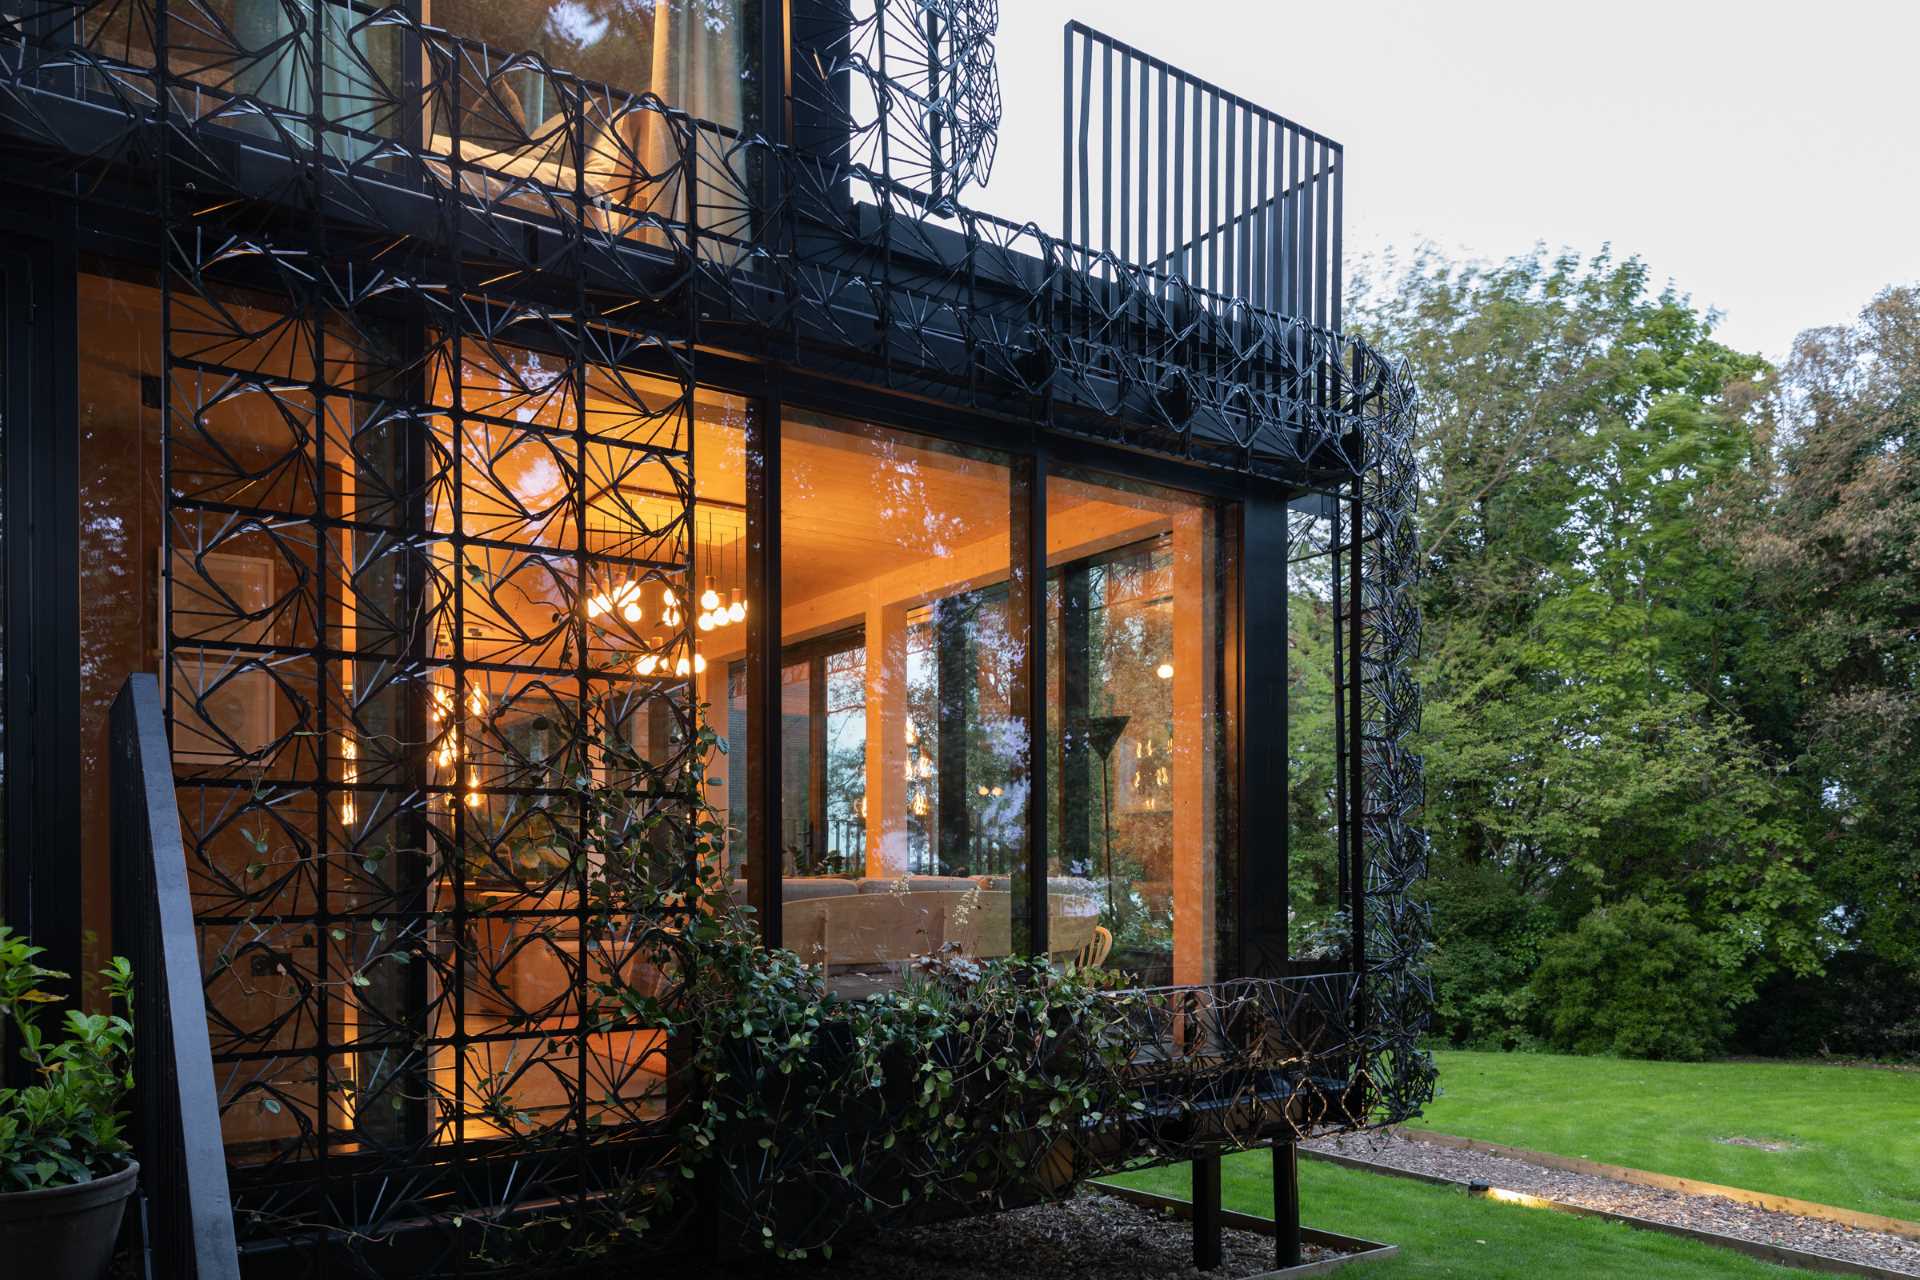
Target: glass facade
390 639
390 636
120 506
521 92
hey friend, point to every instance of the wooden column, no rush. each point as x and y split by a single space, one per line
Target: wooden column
1194 758
886 629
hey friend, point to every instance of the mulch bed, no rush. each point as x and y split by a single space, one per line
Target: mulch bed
1091 1237
1702 1213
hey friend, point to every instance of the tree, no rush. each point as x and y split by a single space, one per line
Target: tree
1836 559
1585 445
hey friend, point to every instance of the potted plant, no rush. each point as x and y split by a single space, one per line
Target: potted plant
66 1170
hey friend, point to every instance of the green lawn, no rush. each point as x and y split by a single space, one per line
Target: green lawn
1443 1232
1853 1133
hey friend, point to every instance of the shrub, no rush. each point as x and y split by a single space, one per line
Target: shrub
1635 980
1487 940
1862 1006
68 1126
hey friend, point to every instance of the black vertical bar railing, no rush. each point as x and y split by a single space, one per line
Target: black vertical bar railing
176 1112
1230 197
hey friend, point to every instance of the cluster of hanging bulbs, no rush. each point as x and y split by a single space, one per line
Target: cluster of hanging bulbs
1145 775
658 662
448 756
716 613
624 603
623 600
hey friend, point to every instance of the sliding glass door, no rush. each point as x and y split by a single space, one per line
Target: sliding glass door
1139 780
908 811
902 743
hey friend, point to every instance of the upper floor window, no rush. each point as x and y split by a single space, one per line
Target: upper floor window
695 55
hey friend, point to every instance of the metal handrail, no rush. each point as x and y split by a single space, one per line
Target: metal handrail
176 1112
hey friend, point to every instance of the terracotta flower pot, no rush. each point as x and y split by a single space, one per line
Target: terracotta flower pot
67 1232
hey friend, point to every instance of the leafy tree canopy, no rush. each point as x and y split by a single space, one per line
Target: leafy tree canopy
1671 602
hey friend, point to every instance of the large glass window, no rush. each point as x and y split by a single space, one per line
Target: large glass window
1318 928
694 55
902 745
1139 859
402 595
513 119
568 505
119 415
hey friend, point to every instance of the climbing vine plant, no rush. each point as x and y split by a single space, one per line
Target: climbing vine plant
727 1097
795 1117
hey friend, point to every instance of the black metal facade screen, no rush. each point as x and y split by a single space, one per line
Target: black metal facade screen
360 979
385 292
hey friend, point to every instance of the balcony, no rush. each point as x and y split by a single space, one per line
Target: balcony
1190 300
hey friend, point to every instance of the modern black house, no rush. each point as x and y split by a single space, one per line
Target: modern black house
403 406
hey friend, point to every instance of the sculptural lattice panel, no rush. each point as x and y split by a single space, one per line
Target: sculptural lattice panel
390 299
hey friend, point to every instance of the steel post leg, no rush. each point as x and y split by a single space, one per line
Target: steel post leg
1286 1205
1206 1213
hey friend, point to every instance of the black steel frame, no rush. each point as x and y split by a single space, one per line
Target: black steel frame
348 257
42 888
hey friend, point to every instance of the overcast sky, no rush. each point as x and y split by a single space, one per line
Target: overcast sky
1761 155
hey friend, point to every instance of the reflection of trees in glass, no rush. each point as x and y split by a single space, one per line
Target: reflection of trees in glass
697 55
966 802
1312 823
736 766
847 755
1112 636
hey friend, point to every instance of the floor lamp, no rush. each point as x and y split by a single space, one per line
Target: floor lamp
1103 733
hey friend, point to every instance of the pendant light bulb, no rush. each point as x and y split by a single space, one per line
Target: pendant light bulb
709 599
737 610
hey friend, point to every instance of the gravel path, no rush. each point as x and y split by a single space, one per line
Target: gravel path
1704 1213
1091 1237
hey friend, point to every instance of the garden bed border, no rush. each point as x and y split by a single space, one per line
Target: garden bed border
1781 1255
1668 1182
1353 1248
